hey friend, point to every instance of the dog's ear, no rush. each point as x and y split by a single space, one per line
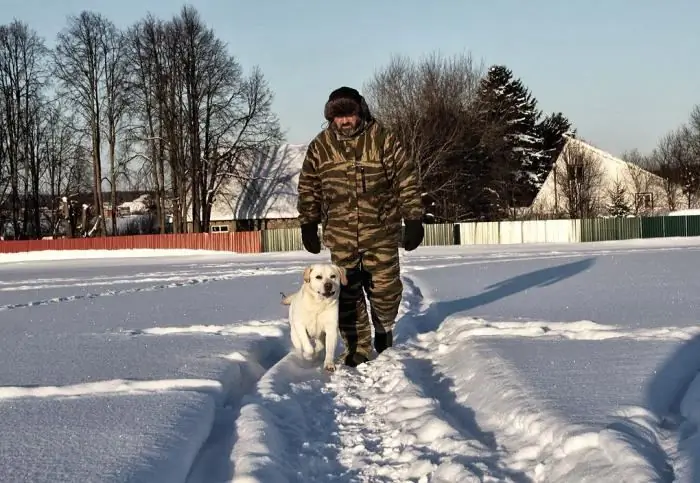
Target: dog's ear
307 274
343 275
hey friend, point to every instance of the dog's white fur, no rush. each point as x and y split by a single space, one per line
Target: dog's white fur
313 311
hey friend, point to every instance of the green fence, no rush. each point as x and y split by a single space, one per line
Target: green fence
523 232
606 229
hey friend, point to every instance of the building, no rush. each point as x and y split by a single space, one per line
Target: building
586 181
265 198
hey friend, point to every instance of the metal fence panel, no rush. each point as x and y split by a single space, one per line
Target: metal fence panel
653 226
675 226
510 232
467 233
240 242
439 234
693 225
628 228
282 240
487 233
534 231
562 231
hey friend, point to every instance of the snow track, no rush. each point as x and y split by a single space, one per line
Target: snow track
438 407
176 281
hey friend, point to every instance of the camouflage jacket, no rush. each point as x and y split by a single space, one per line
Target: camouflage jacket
359 188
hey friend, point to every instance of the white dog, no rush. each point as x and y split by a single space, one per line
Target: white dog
313 311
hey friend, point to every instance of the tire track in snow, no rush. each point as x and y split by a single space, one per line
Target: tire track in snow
244 370
154 288
547 446
373 423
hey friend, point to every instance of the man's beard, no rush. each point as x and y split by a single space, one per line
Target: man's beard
348 128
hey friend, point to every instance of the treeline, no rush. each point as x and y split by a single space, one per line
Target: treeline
482 145
161 106
676 158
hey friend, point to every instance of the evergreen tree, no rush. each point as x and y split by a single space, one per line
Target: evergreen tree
618 206
511 139
552 131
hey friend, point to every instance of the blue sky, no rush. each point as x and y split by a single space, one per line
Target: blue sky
624 71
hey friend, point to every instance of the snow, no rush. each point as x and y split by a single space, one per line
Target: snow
544 363
140 204
688 212
47 255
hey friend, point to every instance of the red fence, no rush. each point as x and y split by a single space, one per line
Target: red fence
241 242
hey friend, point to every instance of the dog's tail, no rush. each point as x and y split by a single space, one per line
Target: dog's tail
286 299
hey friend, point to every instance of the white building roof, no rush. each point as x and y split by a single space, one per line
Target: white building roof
269 193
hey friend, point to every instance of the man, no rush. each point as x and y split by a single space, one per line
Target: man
358 183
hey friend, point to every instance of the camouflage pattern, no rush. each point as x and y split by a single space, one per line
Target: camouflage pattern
358 188
376 273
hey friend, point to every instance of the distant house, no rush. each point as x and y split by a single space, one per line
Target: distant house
265 199
585 181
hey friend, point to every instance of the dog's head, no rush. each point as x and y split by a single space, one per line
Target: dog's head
325 279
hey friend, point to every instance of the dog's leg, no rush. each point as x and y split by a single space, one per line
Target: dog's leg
295 339
331 344
318 343
307 351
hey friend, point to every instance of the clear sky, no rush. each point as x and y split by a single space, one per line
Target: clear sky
623 71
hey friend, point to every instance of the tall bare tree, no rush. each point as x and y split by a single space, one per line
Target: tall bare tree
147 45
429 105
80 70
197 111
113 55
22 80
579 178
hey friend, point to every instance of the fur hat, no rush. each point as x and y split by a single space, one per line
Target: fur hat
344 101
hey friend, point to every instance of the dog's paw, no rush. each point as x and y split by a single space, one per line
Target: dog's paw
308 356
329 367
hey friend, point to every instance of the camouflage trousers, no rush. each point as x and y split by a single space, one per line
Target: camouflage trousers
376 274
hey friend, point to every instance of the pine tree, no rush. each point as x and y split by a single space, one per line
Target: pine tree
511 138
552 131
618 206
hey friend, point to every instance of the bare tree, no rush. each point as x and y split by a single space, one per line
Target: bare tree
639 168
79 67
113 55
198 111
664 166
429 105
147 50
22 80
579 178
67 174
676 158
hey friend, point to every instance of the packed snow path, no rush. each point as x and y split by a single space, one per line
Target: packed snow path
533 363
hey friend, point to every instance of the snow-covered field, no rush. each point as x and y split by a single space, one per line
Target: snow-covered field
546 363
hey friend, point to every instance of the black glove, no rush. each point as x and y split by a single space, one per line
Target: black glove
309 237
413 234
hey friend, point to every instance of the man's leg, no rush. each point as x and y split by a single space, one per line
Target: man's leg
385 289
353 321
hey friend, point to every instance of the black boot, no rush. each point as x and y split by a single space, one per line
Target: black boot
354 360
383 340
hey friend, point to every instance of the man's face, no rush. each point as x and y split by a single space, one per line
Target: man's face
347 124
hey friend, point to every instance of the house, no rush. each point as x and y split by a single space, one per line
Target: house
266 198
586 181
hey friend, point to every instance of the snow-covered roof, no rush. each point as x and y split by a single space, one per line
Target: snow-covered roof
612 168
269 193
139 205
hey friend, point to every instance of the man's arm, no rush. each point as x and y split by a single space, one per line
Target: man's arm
406 179
309 188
